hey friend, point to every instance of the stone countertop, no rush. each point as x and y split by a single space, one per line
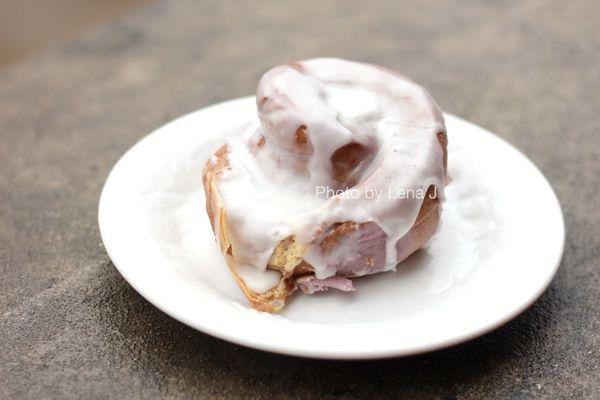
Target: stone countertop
71 327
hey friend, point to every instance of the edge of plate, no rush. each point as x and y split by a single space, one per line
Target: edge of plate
298 351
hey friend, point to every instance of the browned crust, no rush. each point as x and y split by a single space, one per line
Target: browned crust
443 139
272 300
301 135
261 142
344 163
423 228
337 234
288 256
303 145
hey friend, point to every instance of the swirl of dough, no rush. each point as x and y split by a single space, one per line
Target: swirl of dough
342 176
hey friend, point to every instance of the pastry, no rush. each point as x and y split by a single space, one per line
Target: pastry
341 175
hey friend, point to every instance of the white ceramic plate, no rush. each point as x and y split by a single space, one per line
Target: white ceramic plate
498 247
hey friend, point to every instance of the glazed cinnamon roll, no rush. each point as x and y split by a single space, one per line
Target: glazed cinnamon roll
341 176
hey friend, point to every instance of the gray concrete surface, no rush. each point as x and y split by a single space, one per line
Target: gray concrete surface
72 328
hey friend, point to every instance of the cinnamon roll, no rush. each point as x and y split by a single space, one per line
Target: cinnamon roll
341 176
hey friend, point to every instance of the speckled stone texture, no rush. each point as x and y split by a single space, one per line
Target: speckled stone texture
72 328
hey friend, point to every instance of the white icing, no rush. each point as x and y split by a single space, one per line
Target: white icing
258 281
269 191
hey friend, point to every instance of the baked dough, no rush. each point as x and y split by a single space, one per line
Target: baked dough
341 176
